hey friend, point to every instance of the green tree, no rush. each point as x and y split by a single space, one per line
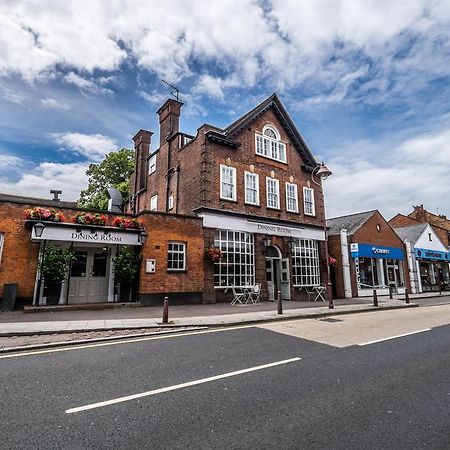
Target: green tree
113 171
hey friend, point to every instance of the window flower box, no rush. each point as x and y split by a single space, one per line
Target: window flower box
90 219
127 223
46 214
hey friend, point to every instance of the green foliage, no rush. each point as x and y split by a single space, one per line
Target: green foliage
126 264
55 263
113 171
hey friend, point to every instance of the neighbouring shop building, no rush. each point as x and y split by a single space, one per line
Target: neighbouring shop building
428 258
366 254
228 207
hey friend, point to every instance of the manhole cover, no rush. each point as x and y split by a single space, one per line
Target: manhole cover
331 320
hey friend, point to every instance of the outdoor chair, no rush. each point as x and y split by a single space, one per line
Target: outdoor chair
238 297
255 293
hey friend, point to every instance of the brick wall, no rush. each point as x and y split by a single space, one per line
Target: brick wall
400 221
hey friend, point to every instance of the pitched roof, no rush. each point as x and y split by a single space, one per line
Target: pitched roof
277 106
411 233
351 222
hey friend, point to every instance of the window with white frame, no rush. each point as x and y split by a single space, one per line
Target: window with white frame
154 203
305 263
308 201
227 182
170 202
237 266
152 165
291 197
2 241
268 144
176 256
273 193
251 188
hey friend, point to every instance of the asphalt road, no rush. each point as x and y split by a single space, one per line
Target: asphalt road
392 394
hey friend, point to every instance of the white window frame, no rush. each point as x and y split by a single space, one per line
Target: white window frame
170 203
154 202
152 164
2 243
269 147
288 197
311 202
182 246
256 180
237 265
233 171
305 263
277 184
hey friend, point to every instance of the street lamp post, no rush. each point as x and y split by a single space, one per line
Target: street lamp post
322 172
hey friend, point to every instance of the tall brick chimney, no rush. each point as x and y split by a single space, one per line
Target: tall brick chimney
142 140
169 119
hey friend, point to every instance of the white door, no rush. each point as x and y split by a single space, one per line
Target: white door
285 283
88 277
270 278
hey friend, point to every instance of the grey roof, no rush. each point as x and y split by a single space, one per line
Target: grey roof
36 201
411 233
351 223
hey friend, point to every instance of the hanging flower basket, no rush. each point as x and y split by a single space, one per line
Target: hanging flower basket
90 219
331 261
50 215
214 254
127 223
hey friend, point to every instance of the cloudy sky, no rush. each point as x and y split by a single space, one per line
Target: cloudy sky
367 82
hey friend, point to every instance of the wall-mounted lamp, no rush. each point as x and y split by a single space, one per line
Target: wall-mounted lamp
267 241
38 229
143 237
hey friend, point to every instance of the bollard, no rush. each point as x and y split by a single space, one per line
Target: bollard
390 292
406 296
165 318
375 298
279 303
440 287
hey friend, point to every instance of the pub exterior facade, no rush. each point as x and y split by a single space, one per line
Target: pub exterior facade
226 208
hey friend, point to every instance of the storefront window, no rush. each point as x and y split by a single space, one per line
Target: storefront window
305 263
237 266
380 273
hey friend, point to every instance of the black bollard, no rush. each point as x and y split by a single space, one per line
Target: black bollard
406 296
279 303
390 292
165 318
375 298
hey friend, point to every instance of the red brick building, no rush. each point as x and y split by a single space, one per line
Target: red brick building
251 183
369 255
246 192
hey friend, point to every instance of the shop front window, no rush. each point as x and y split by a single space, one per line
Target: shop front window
237 266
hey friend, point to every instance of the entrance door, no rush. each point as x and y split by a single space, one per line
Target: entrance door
88 278
271 277
285 284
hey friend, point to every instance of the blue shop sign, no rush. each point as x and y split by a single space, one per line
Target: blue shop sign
375 251
423 253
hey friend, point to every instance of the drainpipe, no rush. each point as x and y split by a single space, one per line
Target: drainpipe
412 267
178 189
346 264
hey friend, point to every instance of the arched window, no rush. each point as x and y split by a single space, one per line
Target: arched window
268 144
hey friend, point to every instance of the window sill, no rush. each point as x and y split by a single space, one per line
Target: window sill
252 204
228 200
293 212
271 159
176 270
273 208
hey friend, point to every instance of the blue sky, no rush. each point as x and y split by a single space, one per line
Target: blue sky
367 83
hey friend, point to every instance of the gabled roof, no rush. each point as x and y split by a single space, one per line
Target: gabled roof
277 106
352 223
411 233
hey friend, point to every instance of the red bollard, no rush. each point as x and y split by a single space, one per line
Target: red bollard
165 318
279 303
406 296
375 298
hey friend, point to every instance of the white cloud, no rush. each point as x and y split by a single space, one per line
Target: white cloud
37 181
13 97
52 103
282 43
390 177
92 147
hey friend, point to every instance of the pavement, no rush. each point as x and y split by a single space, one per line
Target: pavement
242 388
17 323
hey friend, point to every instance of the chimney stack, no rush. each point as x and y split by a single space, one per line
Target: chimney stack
169 119
142 140
56 193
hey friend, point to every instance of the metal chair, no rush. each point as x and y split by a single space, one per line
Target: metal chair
255 293
238 297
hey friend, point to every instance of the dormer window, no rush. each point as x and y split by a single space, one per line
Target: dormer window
269 145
